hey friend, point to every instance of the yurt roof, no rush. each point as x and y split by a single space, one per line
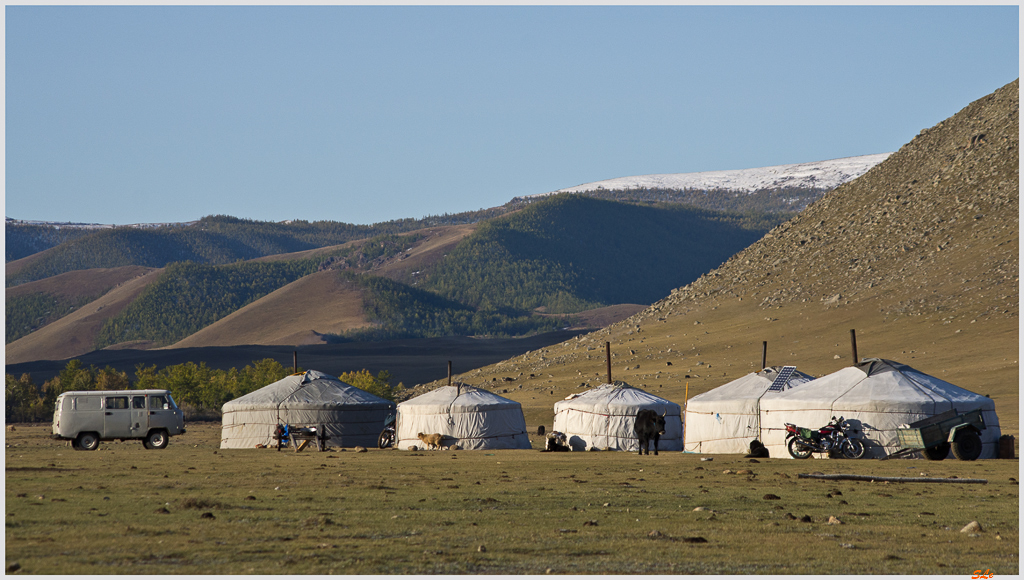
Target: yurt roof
309 390
882 385
618 395
460 399
753 385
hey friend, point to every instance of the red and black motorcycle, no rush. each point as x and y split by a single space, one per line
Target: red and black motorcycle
831 438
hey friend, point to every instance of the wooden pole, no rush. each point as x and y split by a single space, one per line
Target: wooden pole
764 354
686 399
853 344
608 358
893 479
295 361
449 373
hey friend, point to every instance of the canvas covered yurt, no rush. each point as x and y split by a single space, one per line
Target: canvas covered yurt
603 417
877 396
349 415
726 419
466 416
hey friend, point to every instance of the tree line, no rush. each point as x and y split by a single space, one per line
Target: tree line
199 390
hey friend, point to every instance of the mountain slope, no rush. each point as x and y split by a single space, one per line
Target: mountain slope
919 256
36 304
298 313
76 333
570 253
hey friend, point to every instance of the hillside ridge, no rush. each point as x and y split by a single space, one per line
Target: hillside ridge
919 256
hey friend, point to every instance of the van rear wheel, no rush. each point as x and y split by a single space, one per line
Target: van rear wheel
156 439
87 441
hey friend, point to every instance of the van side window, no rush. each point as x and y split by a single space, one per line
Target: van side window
117 402
87 403
157 402
138 402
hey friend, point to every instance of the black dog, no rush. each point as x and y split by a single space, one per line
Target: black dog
757 449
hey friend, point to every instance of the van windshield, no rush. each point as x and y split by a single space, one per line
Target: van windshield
170 400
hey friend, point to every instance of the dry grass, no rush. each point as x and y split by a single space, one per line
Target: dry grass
195 509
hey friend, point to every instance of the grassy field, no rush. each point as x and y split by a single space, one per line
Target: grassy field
196 509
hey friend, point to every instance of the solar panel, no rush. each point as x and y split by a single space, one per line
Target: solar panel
780 381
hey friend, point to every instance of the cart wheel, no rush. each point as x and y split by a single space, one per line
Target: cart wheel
937 453
966 445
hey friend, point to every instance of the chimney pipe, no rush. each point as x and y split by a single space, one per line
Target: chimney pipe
764 354
853 344
608 358
295 361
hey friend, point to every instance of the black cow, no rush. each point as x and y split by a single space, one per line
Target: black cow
649 426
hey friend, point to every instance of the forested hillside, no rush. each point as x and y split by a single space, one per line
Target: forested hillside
401 311
26 239
562 254
26 313
569 253
189 296
211 240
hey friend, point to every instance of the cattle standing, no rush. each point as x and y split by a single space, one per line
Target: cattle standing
556 441
649 426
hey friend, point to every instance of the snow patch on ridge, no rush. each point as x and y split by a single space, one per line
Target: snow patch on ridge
818 174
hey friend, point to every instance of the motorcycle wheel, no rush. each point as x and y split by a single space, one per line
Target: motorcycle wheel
798 450
386 439
852 448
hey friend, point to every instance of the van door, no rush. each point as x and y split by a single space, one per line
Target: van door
117 418
162 414
140 416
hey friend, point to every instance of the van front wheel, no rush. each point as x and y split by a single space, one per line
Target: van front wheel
87 441
156 439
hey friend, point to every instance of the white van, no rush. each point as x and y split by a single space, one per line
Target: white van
88 417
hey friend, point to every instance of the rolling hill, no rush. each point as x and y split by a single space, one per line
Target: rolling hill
75 334
570 253
299 313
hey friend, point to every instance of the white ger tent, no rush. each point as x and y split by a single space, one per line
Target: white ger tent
604 417
466 416
877 396
349 415
726 419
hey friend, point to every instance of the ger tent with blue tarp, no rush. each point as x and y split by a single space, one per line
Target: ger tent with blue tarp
350 416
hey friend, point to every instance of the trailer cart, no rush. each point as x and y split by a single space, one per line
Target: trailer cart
935 436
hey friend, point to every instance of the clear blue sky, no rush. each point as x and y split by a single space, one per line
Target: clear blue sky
366 114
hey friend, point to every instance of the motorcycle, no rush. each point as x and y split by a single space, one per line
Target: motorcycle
831 438
387 436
